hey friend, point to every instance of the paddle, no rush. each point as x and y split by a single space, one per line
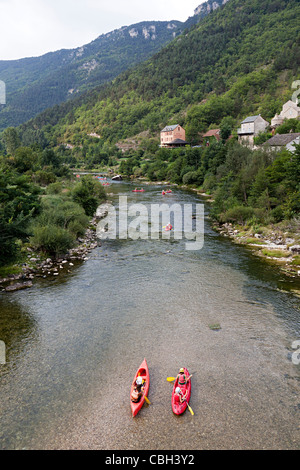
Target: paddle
146 400
190 409
171 379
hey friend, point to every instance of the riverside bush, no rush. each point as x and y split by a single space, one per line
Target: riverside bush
89 193
52 239
238 214
61 212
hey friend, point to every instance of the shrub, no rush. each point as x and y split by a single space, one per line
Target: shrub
89 194
44 177
51 239
54 188
238 214
61 212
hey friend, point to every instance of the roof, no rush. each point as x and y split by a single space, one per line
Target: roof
178 141
170 128
282 139
212 133
250 119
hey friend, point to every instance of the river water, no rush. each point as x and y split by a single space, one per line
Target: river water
75 341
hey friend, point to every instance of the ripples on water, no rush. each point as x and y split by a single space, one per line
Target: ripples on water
69 340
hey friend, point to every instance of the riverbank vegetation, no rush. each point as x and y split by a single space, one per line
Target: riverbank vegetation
43 208
238 61
257 186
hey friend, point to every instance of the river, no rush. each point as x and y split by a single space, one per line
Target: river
74 342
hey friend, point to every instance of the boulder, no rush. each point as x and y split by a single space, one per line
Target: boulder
18 286
295 249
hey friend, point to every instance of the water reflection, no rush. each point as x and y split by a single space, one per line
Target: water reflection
17 327
71 339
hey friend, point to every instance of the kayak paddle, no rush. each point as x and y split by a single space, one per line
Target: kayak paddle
146 400
171 379
190 409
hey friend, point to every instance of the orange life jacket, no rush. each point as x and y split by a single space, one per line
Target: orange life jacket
135 395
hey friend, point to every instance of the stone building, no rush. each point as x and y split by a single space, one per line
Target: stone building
290 110
250 128
172 136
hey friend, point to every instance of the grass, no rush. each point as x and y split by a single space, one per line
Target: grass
254 241
5 271
275 253
296 261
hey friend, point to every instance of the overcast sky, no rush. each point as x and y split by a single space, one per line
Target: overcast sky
33 27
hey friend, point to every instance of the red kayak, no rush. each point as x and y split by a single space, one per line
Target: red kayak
177 407
138 190
142 372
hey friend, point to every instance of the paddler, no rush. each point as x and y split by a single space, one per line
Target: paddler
137 392
182 379
179 396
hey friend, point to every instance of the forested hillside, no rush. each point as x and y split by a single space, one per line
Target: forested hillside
239 60
34 84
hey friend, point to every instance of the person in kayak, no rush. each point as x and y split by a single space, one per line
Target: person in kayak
179 395
182 379
137 391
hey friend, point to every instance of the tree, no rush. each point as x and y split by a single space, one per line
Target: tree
11 140
89 194
49 158
19 202
25 159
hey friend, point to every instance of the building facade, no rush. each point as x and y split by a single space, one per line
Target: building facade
172 136
281 141
250 128
290 110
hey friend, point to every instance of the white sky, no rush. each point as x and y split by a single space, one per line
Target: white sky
33 27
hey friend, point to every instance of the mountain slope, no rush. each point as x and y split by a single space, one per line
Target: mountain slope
34 84
240 59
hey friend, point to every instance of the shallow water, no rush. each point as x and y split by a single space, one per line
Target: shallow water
74 344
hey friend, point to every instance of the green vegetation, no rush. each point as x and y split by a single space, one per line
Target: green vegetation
36 83
296 261
41 206
275 253
260 187
238 61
